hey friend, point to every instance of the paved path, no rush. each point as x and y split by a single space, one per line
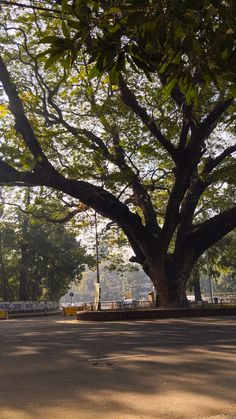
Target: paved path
58 368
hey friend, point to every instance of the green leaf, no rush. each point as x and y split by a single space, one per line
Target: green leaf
115 28
53 59
94 72
3 110
166 91
67 62
65 30
163 68
50 40
196 46
113 76
74 24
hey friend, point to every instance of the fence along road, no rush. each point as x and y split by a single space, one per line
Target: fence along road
28 306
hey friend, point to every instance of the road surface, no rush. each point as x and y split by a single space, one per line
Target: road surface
57 368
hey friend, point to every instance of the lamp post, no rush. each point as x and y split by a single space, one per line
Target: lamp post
209 277
97 284
46 288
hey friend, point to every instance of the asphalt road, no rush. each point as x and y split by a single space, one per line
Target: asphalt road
59 368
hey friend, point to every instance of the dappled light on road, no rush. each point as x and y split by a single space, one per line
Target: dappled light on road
180 368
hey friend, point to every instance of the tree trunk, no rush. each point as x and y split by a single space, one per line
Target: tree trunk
172 293
197 290
6 291
194 283
170 282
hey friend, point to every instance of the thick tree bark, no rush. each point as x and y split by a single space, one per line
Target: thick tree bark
197 289
194 284
170 281
170 292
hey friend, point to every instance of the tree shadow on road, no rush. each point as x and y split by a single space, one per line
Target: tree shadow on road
163 368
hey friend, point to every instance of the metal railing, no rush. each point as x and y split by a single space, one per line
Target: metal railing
143 304
112 305
29 306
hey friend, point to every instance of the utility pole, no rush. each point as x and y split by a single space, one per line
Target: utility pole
209 277
97 285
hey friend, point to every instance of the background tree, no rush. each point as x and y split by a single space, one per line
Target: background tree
219 265
194 283
7 263
145 147
115 285
38 260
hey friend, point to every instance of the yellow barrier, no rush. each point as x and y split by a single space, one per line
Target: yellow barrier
70 311
3 314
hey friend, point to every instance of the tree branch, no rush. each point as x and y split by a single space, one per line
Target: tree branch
22 124
10 176
130 100
99 144
142 198
93 196
187 210
213 163
21 5
183 136
210 231
180 99
46 217
213 116
45 174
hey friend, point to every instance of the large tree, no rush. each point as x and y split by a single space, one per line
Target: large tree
38 259
146 147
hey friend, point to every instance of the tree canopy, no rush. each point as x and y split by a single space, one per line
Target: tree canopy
188 43
131 112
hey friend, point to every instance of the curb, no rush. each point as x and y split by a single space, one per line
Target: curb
29 315
154 314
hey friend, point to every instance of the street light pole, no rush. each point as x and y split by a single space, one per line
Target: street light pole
209 277
46 287
98 289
